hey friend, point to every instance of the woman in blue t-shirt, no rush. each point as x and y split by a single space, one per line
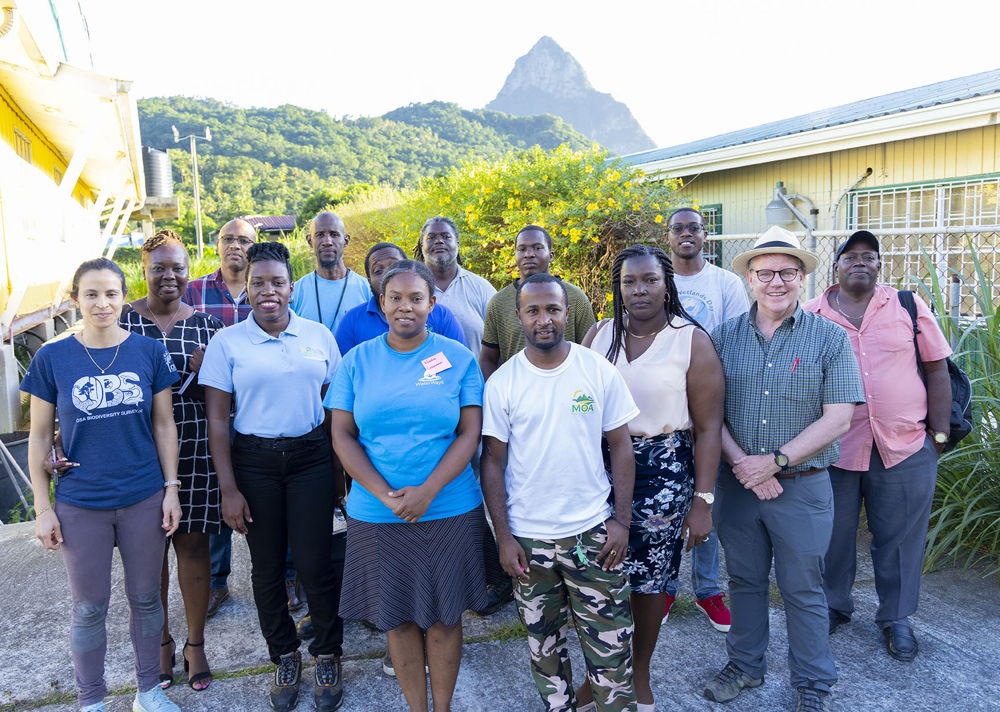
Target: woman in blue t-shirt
111 391
407 414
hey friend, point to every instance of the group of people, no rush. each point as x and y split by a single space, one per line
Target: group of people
415 401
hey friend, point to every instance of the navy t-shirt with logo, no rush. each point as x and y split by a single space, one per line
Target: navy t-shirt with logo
105 419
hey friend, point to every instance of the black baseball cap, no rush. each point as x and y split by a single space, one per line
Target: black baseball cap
860 236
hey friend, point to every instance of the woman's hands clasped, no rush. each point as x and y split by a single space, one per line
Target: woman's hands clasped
409 503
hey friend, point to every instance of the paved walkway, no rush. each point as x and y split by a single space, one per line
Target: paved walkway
957 670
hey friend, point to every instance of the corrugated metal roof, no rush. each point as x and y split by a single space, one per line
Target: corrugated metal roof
271 222
897 102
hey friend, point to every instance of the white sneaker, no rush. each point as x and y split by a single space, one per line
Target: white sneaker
153 700
96 707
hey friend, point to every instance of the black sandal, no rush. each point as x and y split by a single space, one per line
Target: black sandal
205 677
166 680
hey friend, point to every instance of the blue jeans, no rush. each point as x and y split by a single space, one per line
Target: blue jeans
220 548
704 569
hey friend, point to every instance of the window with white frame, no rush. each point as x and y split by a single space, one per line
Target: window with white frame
967 202
713 218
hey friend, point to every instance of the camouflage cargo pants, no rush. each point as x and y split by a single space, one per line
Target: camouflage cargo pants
560 591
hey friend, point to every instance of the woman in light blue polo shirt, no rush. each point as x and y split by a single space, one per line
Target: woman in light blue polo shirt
407 413
277 477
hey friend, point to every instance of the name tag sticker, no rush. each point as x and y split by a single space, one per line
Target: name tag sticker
436 363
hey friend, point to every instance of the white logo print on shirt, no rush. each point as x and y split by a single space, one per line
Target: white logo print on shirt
93 392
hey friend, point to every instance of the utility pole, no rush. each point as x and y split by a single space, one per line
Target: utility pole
197 185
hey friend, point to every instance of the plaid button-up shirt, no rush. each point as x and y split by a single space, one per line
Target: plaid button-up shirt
210 295
775 389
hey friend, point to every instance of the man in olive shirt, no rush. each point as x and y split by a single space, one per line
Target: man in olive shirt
502 333
791 386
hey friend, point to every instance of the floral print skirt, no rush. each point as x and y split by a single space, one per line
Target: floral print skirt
664 488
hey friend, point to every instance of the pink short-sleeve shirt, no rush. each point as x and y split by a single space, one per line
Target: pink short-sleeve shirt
896 399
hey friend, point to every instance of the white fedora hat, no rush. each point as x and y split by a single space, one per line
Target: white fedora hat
776 241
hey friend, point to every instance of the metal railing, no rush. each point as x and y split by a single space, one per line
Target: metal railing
904 259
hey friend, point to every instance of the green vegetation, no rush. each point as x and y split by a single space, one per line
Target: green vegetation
965 522
271 161
591 206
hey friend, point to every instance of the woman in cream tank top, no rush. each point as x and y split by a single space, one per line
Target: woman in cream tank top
675 377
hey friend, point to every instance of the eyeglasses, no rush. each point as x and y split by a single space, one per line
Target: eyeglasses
242 241
852 258
693 228
767 275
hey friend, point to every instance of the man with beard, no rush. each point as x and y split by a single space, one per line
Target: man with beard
560 540
710 295
223 295
328 292
464 293
888 459
502 333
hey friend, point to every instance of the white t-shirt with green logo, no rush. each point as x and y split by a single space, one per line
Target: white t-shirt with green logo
552 422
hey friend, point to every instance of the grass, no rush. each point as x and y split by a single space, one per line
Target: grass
965 521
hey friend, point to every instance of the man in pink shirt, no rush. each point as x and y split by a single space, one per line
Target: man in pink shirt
888 458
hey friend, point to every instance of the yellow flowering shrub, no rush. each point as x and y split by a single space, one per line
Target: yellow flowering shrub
591 205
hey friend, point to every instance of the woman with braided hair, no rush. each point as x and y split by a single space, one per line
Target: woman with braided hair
162 315
675 377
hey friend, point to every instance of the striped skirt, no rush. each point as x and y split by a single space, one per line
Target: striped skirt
423 573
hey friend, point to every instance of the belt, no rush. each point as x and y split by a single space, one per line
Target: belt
804 473
316 433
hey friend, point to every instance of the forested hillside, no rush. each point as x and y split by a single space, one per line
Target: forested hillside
273 160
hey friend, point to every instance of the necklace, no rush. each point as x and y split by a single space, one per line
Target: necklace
840 308
645 336
157 321
113 358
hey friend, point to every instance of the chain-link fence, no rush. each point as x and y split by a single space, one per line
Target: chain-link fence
952 251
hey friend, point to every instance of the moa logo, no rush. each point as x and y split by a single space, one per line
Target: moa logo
582 403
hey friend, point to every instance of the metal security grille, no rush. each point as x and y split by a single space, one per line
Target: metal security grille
905 254
22 145
953 203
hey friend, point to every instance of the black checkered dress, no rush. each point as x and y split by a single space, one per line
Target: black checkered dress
199 490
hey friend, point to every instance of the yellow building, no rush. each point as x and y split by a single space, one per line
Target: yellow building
920 168
70 169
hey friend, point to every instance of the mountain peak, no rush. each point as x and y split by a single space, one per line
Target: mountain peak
549 80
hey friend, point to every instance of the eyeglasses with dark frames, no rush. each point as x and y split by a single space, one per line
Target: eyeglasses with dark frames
767 275
693 228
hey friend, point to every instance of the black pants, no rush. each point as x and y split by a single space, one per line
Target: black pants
289 487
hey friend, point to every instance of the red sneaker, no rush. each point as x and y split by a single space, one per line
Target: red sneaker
667 604
715 608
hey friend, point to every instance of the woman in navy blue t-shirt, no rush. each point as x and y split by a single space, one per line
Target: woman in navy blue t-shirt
111 390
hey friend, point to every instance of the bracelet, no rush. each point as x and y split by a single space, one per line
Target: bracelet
622 523
40 512
172 483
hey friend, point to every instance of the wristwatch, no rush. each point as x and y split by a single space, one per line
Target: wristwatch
707 496
940 438
780 459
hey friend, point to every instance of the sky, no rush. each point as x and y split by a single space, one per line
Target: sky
686 70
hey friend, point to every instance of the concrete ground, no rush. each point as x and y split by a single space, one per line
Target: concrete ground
957 670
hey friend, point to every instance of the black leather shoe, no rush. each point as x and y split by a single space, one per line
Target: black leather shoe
497 596
837 619
305 628
900 642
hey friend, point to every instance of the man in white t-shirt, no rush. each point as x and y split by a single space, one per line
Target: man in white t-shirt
711 295
560 539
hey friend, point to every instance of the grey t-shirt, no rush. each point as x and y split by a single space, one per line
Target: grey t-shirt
712 296
467 297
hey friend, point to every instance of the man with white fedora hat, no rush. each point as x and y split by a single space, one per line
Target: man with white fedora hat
792 382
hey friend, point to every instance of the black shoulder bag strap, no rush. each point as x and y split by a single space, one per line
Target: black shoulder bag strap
906 299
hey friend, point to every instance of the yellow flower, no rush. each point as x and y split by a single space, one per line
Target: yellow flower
565 231
658 219
613 175
588 168
575 234
609 297
612 203
591 207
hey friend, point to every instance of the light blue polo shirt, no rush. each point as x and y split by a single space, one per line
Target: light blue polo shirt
336 297
276 382
406 418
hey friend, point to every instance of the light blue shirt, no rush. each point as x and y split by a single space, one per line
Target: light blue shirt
406 418
336 297
276 382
